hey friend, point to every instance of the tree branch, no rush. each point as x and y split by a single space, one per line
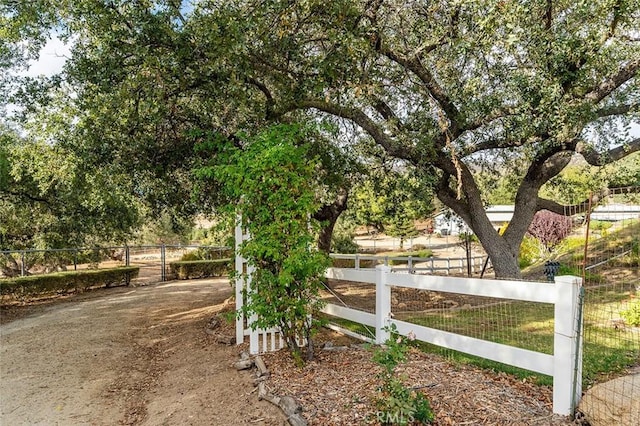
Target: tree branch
561 209
581 207
413 64
624 74
600 159
548 15
29 197
608 111
267 94
361 119
491 116
498 143
448 197
614 20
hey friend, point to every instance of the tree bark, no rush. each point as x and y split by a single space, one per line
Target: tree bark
329 215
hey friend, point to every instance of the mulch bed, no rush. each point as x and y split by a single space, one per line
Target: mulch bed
339 388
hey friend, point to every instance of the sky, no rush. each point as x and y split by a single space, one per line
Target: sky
52 58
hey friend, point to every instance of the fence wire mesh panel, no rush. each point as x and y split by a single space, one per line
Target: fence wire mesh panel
526 325
45 261
153 260
149 260
604 248
354 295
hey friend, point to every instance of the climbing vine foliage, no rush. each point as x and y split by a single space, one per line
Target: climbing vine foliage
273 179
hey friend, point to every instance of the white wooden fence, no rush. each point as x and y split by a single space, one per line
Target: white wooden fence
565 365
260 340
414 264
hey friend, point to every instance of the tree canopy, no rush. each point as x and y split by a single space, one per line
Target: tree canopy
455 90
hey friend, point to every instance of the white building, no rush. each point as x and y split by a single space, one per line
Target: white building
448 222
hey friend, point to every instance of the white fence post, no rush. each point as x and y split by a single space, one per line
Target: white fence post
254 334
567 346
383 303
239 284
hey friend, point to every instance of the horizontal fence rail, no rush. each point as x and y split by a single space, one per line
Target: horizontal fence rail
414 264
565 364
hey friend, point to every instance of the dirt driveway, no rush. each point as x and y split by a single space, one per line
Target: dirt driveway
125 356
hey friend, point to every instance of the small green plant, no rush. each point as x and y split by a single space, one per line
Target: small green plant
397 403
531 251
631 315
600 225
344 243
571 244
423 254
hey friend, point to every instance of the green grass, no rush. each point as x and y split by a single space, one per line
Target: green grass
524 325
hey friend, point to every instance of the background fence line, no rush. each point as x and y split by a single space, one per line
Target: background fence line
415 264
153 260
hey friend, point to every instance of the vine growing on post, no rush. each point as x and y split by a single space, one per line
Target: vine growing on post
272 178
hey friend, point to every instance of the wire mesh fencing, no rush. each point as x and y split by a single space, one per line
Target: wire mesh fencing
14 263
354 295
604 249
153 260
525 325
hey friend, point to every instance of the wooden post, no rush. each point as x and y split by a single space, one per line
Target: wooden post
239 284
383 303
567 345
163 260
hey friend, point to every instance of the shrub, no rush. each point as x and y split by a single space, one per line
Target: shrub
576 271
207 253
344 243
190 269
631 315
191 256
63 282
600 225
351 263
421 253
570 244
549 228
397 403
530 251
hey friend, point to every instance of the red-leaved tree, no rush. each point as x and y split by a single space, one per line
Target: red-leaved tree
549 228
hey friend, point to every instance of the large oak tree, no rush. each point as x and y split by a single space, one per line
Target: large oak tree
452 88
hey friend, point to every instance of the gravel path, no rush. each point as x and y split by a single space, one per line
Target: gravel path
125 356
